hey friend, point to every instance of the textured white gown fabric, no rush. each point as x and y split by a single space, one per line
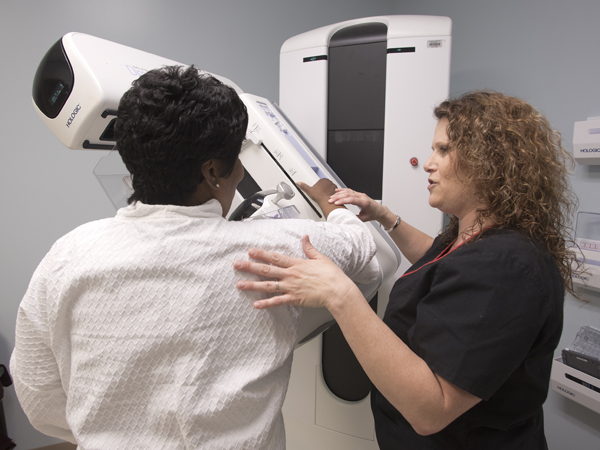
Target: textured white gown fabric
133 335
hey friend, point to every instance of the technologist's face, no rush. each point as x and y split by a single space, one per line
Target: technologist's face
447 192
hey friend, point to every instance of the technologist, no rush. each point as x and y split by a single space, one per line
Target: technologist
462 358
132 334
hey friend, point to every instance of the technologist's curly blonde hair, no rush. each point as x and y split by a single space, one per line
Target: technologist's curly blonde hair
508 152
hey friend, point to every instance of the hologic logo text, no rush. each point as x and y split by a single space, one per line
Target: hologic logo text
73 114
581 277
566 391
590 150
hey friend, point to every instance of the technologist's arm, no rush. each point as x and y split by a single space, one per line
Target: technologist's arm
34 368
427 401
412 242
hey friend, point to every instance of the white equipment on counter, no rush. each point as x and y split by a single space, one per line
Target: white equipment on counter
587 237
586 141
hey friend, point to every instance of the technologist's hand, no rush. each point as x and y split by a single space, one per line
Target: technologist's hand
297 281
369 208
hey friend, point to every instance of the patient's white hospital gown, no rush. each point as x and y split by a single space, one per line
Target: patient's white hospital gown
133 335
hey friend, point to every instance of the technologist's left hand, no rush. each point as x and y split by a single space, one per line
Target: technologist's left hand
316 282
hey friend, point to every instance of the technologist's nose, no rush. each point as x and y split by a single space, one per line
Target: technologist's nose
428 166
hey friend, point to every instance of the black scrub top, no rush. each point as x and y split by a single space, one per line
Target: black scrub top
486 317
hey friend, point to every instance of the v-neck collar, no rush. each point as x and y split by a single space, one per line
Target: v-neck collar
448 250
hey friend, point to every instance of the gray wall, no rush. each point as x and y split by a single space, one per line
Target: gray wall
49 190
539 50
546 52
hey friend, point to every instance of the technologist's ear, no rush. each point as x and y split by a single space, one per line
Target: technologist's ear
209 170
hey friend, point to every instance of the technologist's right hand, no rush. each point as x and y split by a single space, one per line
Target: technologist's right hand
315 282
369 208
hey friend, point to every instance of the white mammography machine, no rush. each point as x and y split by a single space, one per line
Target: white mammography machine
76 92
362 92
81 79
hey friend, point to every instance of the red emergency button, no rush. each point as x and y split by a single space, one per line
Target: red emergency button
414 161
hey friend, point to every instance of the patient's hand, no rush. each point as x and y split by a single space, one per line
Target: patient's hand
320 192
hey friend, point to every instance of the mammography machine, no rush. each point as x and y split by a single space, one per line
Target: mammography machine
362 92
372 128
76 92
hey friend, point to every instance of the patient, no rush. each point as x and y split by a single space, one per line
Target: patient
132 333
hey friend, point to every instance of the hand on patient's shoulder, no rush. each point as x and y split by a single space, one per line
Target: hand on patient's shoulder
314 282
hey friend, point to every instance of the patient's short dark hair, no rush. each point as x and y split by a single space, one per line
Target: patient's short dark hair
170 122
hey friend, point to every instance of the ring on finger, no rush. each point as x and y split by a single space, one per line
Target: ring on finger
276 286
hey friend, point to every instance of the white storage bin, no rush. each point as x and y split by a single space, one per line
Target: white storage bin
578 386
